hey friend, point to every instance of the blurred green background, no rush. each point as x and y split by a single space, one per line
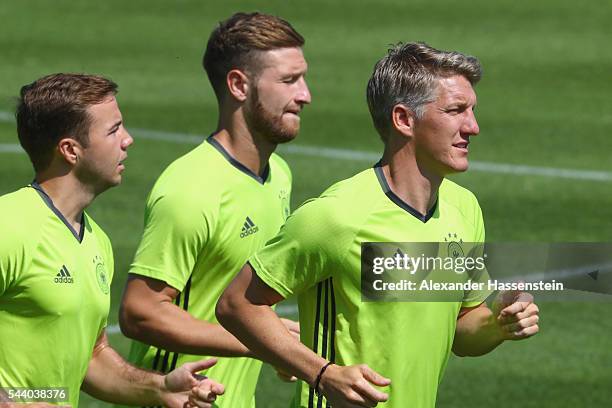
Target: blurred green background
544 101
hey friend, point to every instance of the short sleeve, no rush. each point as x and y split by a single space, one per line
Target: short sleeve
175 233
306 250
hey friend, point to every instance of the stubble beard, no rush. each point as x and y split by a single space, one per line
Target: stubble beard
263 122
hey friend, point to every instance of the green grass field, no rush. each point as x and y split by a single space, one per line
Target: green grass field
544 101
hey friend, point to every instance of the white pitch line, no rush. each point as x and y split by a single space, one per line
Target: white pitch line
357 155
10 148
519 169
282 310
6 116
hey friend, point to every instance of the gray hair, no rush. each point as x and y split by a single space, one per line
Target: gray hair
408 75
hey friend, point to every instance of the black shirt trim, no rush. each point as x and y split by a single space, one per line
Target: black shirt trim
79 236
398 201
260 179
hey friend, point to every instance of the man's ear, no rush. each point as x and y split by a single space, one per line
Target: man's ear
402 120
238 84
70 150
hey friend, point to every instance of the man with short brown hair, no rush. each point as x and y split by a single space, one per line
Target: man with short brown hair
56 263
212 208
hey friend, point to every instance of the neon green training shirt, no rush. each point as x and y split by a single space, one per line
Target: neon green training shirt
317 256
54 293
205 216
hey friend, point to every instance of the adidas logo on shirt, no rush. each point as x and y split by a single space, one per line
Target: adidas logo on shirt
248 228
63 276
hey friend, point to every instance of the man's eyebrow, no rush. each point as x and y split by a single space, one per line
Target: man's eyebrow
116 124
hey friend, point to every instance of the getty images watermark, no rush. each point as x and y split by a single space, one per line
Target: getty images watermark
454 270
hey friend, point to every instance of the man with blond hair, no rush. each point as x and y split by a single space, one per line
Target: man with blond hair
214 207
422 103
56 263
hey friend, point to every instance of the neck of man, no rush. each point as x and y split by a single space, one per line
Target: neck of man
251 149
69 195
410 180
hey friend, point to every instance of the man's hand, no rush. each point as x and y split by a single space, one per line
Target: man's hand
352 386
283 376
244 309
292 326
516 315
185 388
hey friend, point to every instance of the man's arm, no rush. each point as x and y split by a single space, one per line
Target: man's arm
148 314
480 329
112 379
244 309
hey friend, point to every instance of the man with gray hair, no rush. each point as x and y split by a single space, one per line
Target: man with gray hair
422 103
